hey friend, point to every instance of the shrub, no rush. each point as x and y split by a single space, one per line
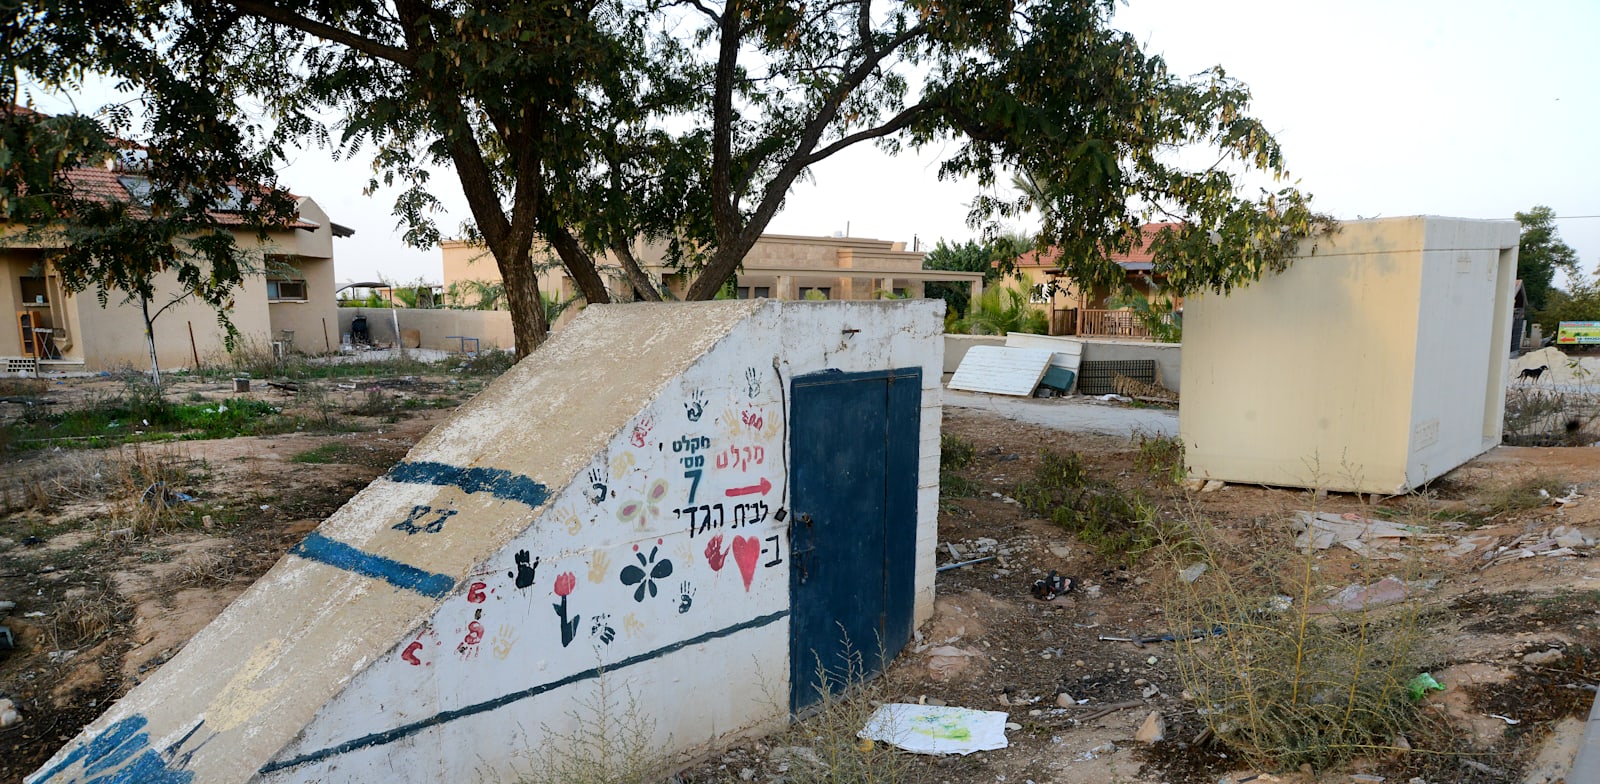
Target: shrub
1100 515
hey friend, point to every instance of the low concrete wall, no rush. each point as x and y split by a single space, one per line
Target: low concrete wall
1168 356
492 328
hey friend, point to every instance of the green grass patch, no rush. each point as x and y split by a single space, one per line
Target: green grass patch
332 452
137 418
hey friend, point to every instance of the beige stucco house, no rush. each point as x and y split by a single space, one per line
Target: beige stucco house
50 328
779 266
1079 310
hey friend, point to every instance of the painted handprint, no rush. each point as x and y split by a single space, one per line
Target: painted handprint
631 624
685 597
598 567
597 486
695 407
715 555
752 381
622 464
525 569
504 640
602 629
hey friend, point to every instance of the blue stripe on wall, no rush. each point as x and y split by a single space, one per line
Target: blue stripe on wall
499 482
317 547
407 730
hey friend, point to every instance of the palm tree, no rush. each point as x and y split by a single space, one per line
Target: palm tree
1002 309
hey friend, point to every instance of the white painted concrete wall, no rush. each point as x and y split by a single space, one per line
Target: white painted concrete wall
1372 365
321 674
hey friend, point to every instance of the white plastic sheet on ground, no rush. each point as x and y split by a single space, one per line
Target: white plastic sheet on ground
936 729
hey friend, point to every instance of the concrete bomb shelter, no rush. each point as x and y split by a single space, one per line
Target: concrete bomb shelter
1375 363
696 503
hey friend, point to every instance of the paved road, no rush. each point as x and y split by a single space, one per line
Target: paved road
1074 414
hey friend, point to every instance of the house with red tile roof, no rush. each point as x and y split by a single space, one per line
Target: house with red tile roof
291 304
1078 310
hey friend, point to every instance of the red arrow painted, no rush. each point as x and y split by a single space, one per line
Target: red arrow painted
751 490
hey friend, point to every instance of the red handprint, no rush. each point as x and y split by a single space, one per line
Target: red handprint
715 555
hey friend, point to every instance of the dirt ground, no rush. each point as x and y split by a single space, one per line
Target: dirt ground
98 606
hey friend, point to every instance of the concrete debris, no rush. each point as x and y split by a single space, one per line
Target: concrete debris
1193 485
1363 535
1541 658
1153 730
1064 700
1193 572
1554 543
1357 597
947 661
9 717
1213 485
6 607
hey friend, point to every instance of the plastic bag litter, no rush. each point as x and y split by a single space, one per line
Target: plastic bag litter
936 729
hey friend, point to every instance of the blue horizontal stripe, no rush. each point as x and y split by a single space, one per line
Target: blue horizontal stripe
317 547
496 481
407 730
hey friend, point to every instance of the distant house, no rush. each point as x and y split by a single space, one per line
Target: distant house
52 329
1076 310
779 266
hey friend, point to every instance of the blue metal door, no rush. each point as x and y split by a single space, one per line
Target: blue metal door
853 475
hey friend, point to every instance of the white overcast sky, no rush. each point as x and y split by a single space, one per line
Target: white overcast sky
1467 108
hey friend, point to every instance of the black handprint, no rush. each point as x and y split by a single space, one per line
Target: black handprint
696 407
597 486
525 570
686 600
753 382
602 628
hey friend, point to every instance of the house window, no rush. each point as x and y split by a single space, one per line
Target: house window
819 292
286 291
757 292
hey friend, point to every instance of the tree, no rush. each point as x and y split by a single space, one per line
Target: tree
1003 309
994 258
165 234
1540 253
1580 302
587 124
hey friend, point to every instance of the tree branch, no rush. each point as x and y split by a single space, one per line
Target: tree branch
271 13
896 124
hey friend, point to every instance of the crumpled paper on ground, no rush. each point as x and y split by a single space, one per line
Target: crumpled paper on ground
936 729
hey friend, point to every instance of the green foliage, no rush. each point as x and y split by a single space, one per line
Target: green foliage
588 124
1159 317
141 415
1003 309
995 258
1161 457
955 456
1276 684
1099 514
1580 302
1540 253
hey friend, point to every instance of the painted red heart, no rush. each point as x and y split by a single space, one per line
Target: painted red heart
746 551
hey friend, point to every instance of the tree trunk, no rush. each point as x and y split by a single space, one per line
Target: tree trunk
642 284
528 325
579 265
150 342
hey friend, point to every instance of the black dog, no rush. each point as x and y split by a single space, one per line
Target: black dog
1533 374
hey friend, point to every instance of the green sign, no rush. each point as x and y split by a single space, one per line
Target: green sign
1578 333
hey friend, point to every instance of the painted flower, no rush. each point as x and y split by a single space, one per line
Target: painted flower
647 572
565 582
